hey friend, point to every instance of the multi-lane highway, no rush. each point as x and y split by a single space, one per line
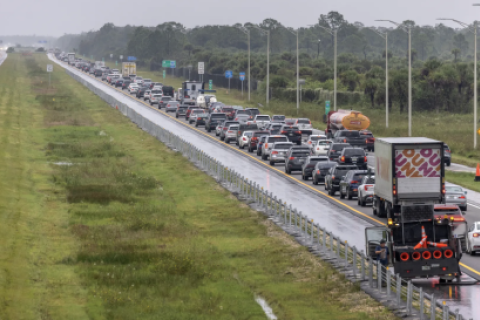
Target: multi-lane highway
343 217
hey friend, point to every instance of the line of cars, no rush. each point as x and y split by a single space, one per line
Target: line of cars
340 163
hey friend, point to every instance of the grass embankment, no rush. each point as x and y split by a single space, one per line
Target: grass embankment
464 179
129 229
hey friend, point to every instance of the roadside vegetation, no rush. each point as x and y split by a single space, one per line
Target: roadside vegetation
105 222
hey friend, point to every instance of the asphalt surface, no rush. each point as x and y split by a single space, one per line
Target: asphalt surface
343 217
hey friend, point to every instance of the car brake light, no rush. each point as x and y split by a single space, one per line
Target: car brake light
366 141
230 131
476 235
309 122
291 158
299 132
236 119
199 118
365 159
225 128
333 177
318 171
309 142
461 197
283 132
354 181
266 145
244 139
274 152
342 158
345 140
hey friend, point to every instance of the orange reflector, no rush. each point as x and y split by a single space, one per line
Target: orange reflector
448 253
416 255
426 255
437 254
404 256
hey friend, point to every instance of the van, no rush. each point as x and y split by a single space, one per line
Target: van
246 127
203 101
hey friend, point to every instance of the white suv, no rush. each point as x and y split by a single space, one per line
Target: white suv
365 190
133 88
244 139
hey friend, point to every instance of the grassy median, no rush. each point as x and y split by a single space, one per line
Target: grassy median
102 221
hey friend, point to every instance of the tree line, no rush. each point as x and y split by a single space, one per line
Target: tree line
442 68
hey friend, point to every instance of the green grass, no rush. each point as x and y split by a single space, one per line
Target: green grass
159 239
464 179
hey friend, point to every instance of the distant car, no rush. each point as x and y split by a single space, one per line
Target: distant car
260 144
310 164
353 156
473 238
155 84
269 143
155 99
224 129
305 125
279 151
200 118
181 111
290 121
132 88
456 216
348 186
335 175
293 133
243 118
253 111
97 73
140 92
172 106
253 143
146 95
213 121
352 137
261 120
312 139
246 127
321 147
231 133
278 118
242 111
321 170
456 195
125 84
244 138
369 139
139 80
118 83
447 155
365 190
163 101
274 127
189 110
336 149
295 159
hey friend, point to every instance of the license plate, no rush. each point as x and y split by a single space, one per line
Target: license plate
425 268
302 160
290 134
354 159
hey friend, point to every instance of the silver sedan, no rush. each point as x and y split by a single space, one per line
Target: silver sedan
456 195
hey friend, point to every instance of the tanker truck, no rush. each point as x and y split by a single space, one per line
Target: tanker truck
345 120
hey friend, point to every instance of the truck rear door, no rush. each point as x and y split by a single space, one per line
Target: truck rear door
373 236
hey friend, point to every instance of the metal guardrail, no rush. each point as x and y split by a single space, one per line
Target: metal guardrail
399 293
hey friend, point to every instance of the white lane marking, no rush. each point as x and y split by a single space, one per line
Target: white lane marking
266 308
473 205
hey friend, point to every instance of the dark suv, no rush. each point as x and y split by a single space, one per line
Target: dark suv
335 175
293 133
253 143
321 170
295 158
349 185
213 120
369 139
336 149
353 156
351 137
309 165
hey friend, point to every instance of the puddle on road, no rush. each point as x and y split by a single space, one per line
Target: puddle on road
266 308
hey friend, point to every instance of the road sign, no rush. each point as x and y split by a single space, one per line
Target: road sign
131 58
49 67
201 68
111 55
164 74
121 57
210 84
242 76
173 64
228 74
327 107
169 64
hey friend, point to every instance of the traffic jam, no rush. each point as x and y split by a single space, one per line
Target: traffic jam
401 180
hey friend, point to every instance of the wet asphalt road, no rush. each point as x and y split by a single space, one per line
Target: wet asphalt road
344 217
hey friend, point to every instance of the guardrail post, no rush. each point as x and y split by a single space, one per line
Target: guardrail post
275 204
445 311
409 297
346 254
311 237
295 213
318 236
290 214
285 213
354 261
379 276
433 307
421 307
324 240
457 314
398 282
331 242
370 273
362 265
338 248
389 282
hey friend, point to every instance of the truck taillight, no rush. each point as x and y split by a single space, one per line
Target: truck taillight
318 171
365 159
394 190
342 158
283 132
298 132
366 140
266 145
354 181
443 189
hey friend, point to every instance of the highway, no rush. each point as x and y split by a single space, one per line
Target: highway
343 217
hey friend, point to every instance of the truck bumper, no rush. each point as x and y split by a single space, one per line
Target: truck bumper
427 268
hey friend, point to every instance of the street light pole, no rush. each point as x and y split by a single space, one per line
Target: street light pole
333 32
247 32
474 30
298 79
409 32
266 33
385 36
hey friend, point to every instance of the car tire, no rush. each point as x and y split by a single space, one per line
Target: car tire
349 195
464 208
226 141
209 130
314 181
222 138
241 146
272 163
363 203
250 150
196 125
216 134
264 157
342 196
331 192
287 171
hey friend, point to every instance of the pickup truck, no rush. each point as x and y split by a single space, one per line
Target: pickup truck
352 137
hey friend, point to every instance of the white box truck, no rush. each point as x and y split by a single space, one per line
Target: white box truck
71 58
129 69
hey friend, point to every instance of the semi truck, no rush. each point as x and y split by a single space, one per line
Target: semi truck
345 120
99 64
129 70
409 181
71 58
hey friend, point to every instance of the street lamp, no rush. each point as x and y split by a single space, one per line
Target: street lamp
295 33
333 32
247 32
409 32
266 33
384 36
474 30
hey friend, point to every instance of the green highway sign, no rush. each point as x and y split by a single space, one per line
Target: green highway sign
169 64
210 84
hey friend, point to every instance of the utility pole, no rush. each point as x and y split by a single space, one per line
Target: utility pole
266 33
247 32
333 32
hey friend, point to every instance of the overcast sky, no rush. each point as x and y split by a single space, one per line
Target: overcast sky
55 17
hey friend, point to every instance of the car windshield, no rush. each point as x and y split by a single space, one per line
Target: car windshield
281 118
303 121
243 116
370 181
354 153
166 99
324 142
291 128
350 134
227 109
277 139
173 103
233 127
197 111
282 146
276 126
248 134
300 154
254 111
339 146
453 189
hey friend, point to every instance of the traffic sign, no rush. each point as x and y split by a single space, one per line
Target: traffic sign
201 68
164 74
228 74
173 64
327 107
111 55
131 58
169 64
49 67
121 57
242 76
210 84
